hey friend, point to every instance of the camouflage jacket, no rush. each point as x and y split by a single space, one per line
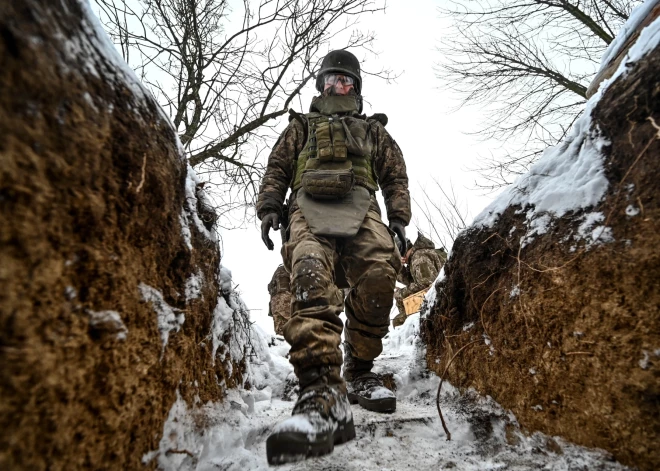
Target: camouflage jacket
422 269
425 264
389 168
280 281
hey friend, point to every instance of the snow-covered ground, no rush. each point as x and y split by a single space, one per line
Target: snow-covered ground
232 435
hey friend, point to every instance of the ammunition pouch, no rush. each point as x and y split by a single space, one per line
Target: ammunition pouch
328 184
341 145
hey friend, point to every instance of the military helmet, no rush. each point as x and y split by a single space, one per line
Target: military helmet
423 242
342 62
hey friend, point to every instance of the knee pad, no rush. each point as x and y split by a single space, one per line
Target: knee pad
375 289
310 279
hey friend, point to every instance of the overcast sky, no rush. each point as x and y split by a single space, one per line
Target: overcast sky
434 141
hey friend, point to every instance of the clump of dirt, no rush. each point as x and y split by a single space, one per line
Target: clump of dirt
93 199
568 336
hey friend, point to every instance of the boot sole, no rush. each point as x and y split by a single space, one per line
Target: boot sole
288 447
387 405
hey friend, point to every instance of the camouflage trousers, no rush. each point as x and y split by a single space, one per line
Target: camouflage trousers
280 307
371 262
399 296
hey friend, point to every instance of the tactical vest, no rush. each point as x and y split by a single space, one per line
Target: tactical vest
336 156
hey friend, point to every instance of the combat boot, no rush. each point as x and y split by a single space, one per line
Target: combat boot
364 387
320 420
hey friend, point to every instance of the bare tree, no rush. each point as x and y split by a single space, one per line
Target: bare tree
444 216
225 71
528 64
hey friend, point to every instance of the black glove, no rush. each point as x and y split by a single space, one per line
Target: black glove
269 220
400 230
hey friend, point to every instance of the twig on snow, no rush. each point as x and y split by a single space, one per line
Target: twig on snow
442 378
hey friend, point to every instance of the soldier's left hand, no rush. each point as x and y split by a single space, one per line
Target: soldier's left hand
269 220
400 230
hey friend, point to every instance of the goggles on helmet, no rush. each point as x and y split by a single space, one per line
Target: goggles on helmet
332 79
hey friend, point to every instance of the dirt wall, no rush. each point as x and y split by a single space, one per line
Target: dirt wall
567 335
94 219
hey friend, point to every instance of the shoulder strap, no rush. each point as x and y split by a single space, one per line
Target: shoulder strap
302 119
380 117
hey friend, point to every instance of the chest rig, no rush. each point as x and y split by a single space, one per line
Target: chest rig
338 152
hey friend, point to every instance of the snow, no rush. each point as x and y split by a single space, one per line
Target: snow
381 393
645 362
637 16
594 234
570 176
190 206
70 292
185 228
567 178
484 436
194 285
169 318
231 316
648 40
99 57
98 52
431 294
632 210
108 321
295 424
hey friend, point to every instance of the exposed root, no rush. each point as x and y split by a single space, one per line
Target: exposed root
144 168
442 378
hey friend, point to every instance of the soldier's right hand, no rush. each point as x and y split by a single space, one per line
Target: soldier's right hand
269 220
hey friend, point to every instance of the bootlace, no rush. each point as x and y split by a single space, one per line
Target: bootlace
317 399
367 381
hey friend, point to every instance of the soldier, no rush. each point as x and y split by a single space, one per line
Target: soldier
279 307
422 265
333 159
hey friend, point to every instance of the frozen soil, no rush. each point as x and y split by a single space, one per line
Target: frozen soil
554 287
232 436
